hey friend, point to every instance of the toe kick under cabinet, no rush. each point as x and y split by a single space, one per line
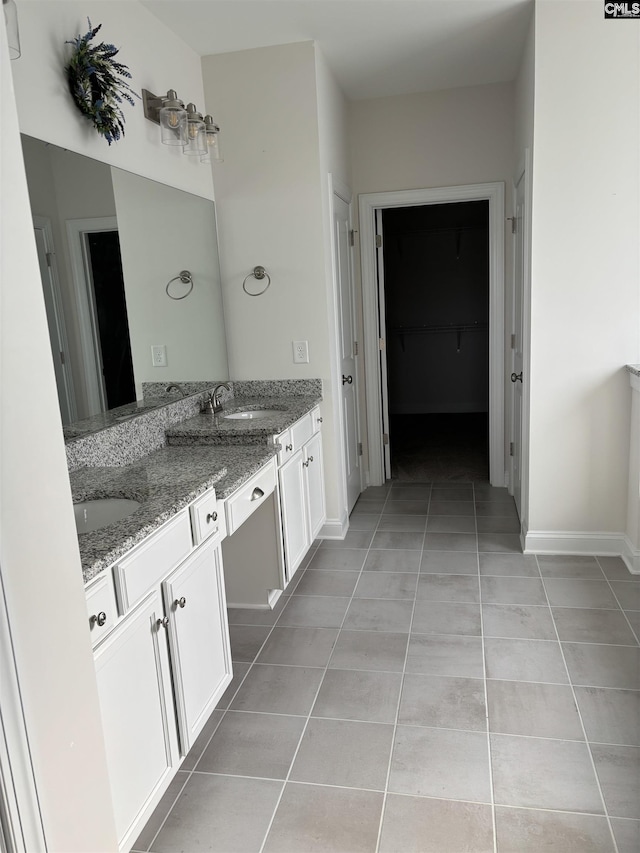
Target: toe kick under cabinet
163 659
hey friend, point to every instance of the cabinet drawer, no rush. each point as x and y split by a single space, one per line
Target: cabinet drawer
316 419
301 431
286 446
101 606
250 496
207 518
147 564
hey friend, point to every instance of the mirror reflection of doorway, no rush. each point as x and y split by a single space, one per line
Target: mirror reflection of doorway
110 316
436 311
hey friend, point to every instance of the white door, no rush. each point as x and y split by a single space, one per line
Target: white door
347 356
383 355
194 600
55 319
517 377
315 484
293 503
134 686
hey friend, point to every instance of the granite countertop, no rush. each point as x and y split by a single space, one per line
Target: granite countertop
164 482
634 369
217 430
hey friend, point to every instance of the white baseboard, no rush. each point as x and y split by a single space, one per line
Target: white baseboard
334 528
581 543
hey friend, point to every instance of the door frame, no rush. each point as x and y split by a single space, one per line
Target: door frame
523 172
77 229
67 388
494 193
341 190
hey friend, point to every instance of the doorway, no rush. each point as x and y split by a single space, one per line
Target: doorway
372 207
436 313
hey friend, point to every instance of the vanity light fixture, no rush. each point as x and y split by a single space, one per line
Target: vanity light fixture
13 33
212 135
196 145
168 111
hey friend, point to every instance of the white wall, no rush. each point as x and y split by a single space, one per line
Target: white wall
163 231
585 266
39 556
271 203
157 59
433 139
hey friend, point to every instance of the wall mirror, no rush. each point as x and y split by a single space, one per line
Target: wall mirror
108 243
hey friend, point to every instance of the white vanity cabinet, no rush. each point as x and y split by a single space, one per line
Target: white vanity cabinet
138 720
301 483
166 661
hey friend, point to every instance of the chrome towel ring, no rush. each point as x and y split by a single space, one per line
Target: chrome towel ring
186 278
259 273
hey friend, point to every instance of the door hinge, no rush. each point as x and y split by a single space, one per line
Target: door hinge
511 448
359 448
381 343
49 257
352 237
513 341
355 347
385 438
61 357
514 223
378 241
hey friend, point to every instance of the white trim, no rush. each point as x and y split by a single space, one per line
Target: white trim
21 818
334 528
526 339
43 224
334 354
369 203
89 338
339 188
582 543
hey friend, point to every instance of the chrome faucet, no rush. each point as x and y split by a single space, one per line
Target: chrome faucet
216 395
174 388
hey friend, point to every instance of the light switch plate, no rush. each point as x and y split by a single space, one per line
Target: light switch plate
301 352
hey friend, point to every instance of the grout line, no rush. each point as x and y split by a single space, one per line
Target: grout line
486 704
584 730
402 678
306 725
613 592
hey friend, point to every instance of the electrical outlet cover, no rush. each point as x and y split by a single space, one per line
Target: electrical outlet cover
300 352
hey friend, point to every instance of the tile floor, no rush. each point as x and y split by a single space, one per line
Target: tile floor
424 687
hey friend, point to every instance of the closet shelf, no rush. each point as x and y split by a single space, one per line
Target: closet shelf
459 328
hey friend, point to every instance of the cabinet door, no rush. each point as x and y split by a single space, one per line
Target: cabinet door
293 503
315 485
195 603
134 685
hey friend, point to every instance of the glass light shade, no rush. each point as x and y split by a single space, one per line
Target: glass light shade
196 144
13 33
212 133
173 120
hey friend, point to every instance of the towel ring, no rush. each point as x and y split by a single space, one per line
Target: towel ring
186 278
258 273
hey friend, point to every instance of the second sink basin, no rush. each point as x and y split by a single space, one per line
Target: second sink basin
252 414
92 515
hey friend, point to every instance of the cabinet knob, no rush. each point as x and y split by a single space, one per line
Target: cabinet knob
212 516
319 420
288 447
100 619
257 493
311 459
306 463
180 602
163 623
347 380
516 377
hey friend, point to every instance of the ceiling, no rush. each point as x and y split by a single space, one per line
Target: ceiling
376 48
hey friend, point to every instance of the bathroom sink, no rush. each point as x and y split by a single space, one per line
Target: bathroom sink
252 414
92 515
